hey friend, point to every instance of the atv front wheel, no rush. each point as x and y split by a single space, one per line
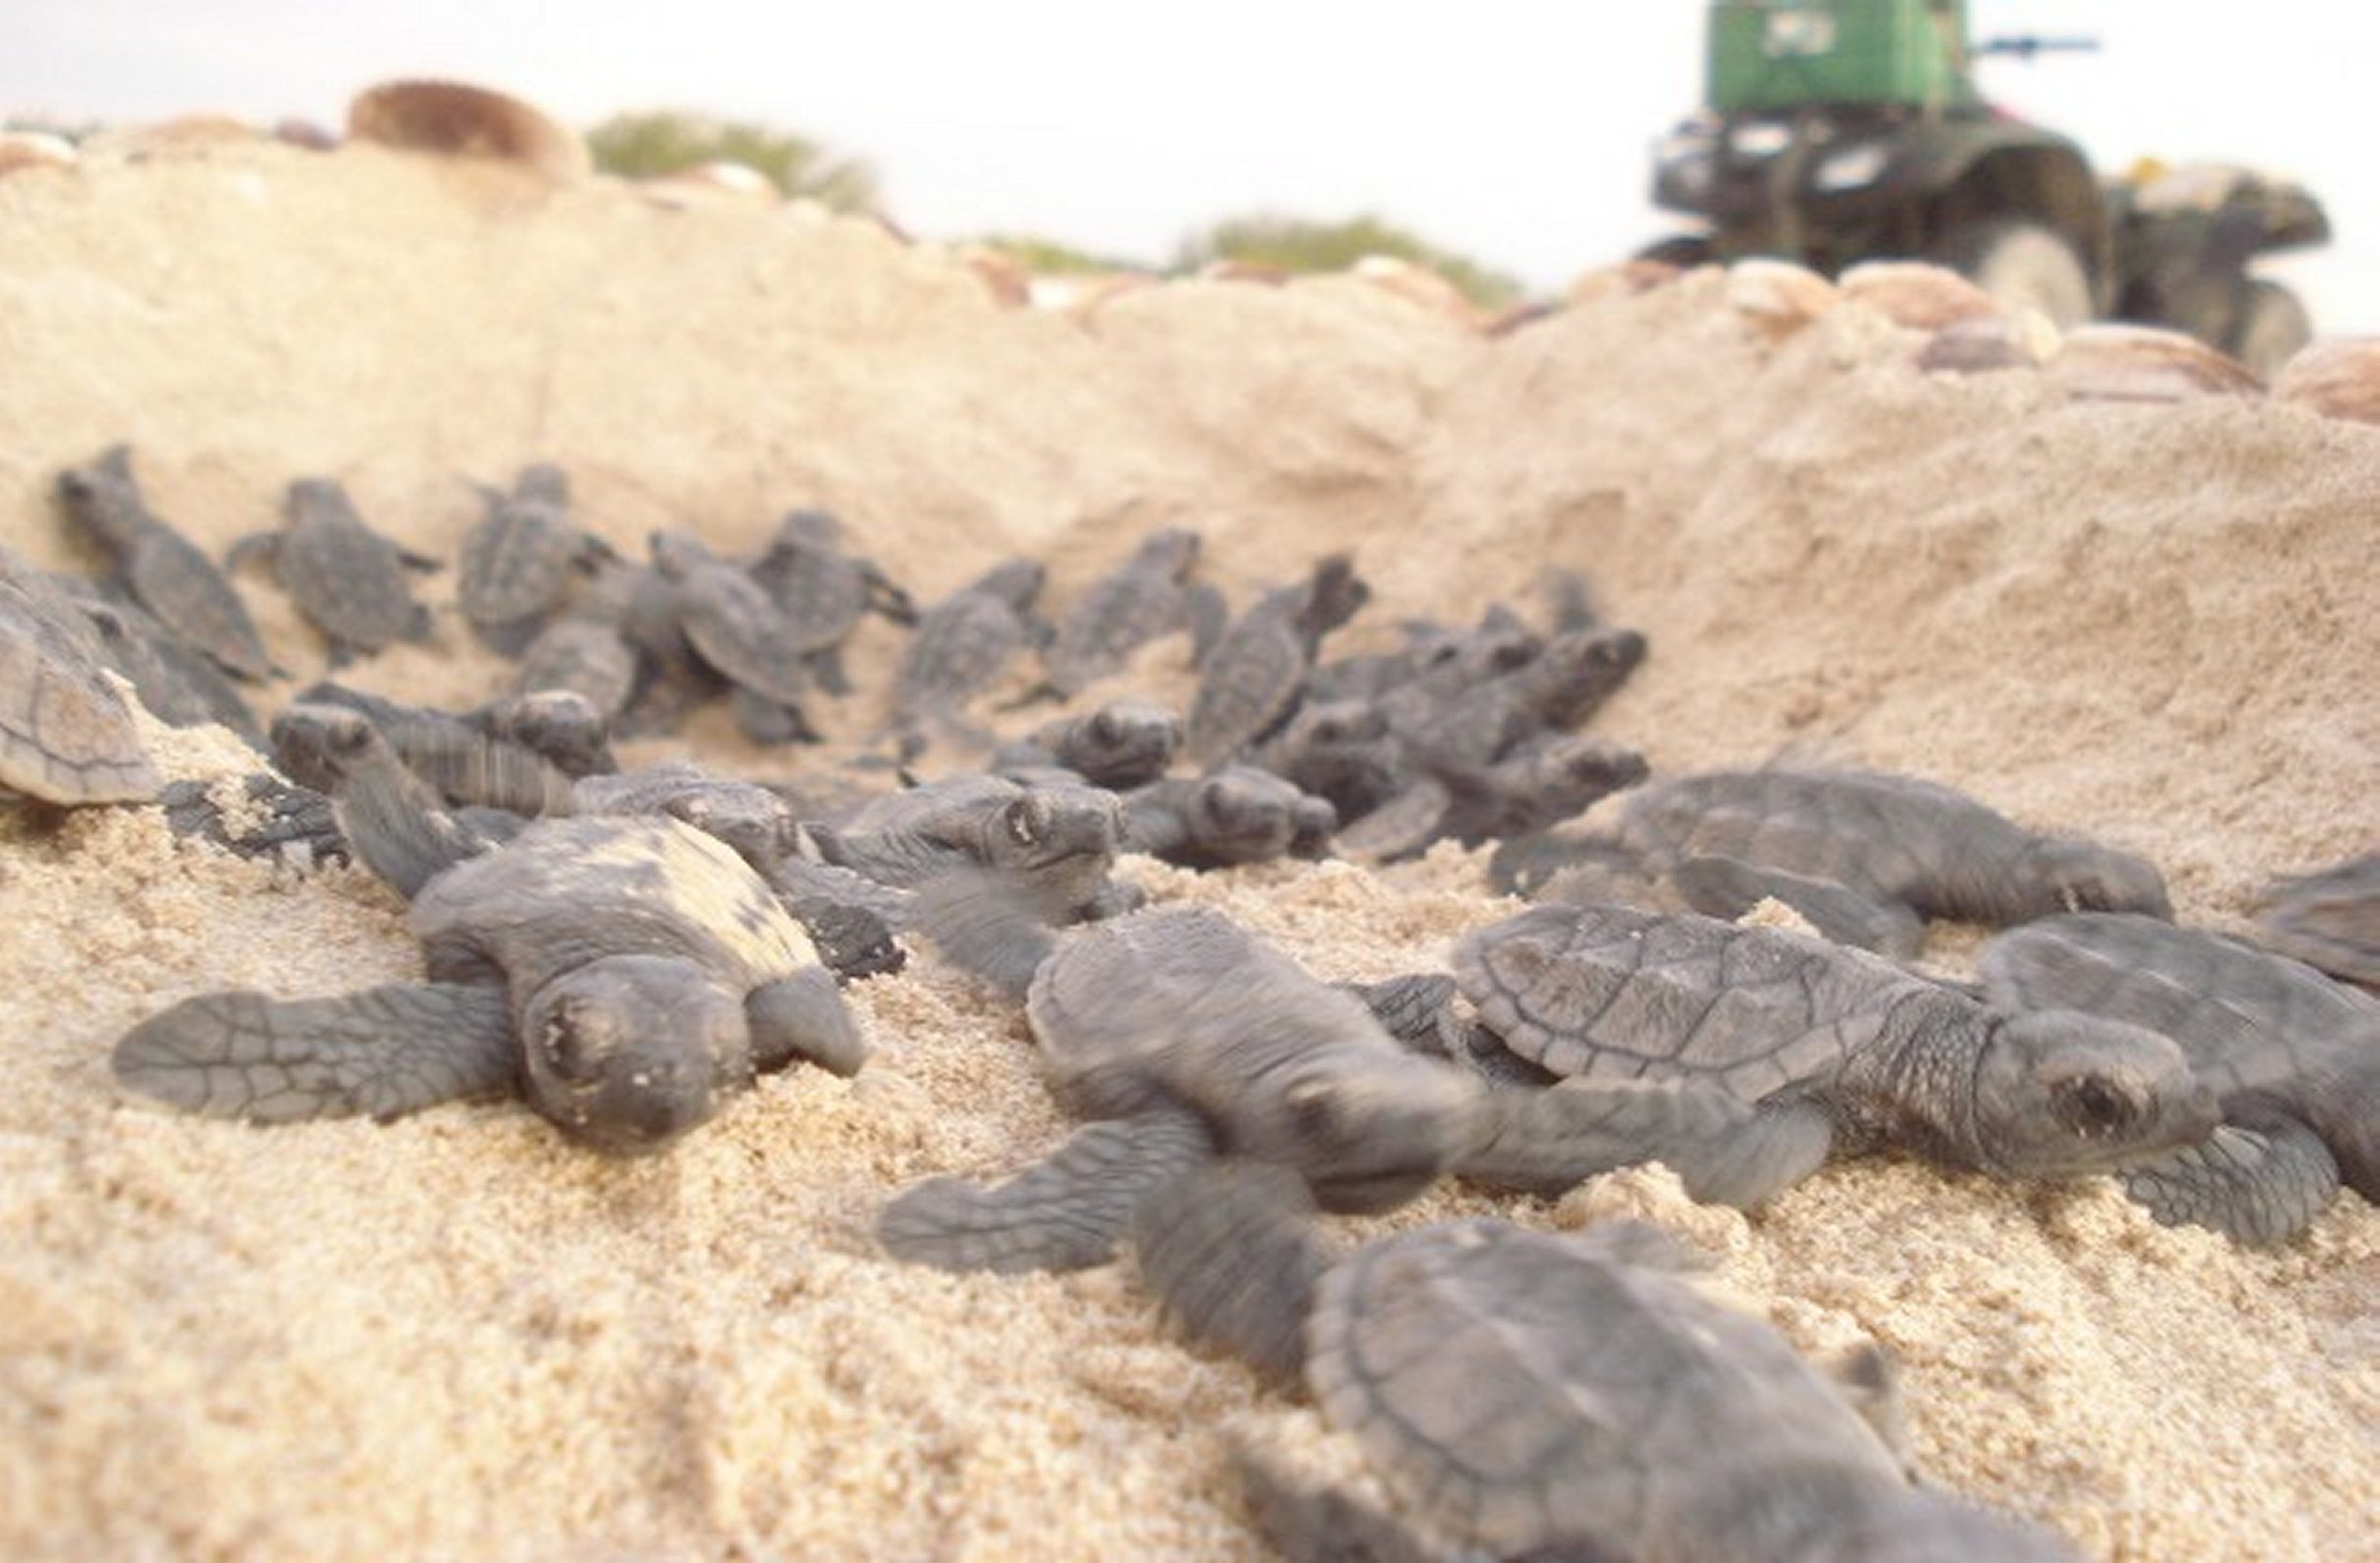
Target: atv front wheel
2021 265
2273 326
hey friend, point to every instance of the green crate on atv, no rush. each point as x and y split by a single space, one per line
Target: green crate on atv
1773 54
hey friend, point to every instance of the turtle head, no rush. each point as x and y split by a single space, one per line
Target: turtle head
2061 1093
1044 827
2078 875
628 1053
1367 1138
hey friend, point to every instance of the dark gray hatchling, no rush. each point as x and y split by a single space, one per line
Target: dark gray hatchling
1120 745
1746 1057
67 734
1865 856
1524 793
1554 692
2293 1055
1177 1033
1544 1395
177 685
963 644
823 591
1150 594
1256 675
522 561
347 580
166 573
2329 919
1235 815
1059 839
730 621
464 765
625 975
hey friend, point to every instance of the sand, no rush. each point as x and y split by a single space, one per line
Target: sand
457 1336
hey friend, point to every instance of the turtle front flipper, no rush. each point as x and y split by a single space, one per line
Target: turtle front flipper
383 1052
1728 887
804 1016
1232 1254
1725 1150
2259 1179
1065 1211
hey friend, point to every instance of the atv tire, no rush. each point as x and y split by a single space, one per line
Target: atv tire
2023 266
2273 326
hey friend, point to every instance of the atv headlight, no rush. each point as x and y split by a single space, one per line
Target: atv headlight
1847 167
1682 163
1757 138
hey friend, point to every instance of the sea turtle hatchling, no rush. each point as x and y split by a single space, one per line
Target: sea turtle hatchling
1177 1032
164 571
2293 1055
1122 743
1744 1057
963 643
347 580
1147 597
67 734
1868 856
1237 814
1060 839
625 975
1254 678
822 590
518 563
1548 1395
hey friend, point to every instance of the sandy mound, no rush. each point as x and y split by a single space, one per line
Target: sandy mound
456 1336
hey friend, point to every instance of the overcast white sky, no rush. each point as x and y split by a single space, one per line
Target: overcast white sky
1515 131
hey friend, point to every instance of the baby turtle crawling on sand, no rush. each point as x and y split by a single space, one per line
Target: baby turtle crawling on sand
1122 743
1865 857
961 645
164 571
1254 678
2295 1056
518 564
1238 814
347 580
1177 1032
823 591
625 975
1547 1394
1746 1057
66 734
1058 839
741 634
1148 595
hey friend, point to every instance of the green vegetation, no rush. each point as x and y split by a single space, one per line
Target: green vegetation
642 146
1298 245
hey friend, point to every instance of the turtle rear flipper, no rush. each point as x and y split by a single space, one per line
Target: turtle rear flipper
2258 1179
1728 887
1232 1253
1065 1211
1725 1150
804 1016
383 1052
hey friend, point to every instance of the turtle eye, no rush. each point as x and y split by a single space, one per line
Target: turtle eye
1025 821
2094 1106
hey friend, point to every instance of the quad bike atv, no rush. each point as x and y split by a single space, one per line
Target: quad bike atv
1839 131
